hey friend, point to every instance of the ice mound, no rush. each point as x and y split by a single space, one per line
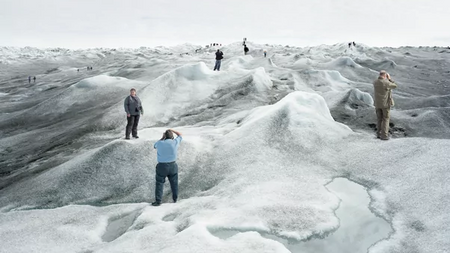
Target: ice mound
304 63
342 62
301 112
91 178
273 143
84 96
326 81
195 86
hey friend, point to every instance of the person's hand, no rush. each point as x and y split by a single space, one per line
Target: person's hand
128 115
388 76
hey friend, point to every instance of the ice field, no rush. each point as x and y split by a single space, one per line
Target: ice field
278 155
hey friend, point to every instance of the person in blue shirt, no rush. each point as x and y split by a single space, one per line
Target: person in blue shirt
167 148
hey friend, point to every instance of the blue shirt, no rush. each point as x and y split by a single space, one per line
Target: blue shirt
167 149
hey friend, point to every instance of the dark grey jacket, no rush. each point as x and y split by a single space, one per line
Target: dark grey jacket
133 105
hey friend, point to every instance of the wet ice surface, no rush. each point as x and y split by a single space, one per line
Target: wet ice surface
261 139
359 228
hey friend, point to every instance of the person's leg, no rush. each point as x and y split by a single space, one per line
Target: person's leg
135 125
379 119
385 124
215 65
173 179
130 122
218 64
160 179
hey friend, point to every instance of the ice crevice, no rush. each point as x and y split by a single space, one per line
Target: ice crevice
119 225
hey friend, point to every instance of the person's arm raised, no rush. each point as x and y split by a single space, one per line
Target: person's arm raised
176 132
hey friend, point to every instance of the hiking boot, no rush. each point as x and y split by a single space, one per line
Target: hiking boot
136 137
127 138
174 201
156 203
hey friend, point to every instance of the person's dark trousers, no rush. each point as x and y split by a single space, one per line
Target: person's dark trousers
217 66
132 124
169 170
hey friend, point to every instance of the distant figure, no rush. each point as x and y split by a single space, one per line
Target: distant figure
219 57
78 70
220 45
133 108
34 79
354 44
166 149
29 79
245 49
265 53
383 102
349 45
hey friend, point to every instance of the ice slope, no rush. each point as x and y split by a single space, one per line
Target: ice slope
262 138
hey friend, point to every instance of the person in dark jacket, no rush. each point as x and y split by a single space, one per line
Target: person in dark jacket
219 57
133 108
166 149
245 49
34 79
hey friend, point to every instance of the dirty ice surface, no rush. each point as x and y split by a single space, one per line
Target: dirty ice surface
263 139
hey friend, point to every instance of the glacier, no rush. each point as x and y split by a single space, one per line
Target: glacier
264 140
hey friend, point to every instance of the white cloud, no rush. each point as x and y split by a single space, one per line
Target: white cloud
95 23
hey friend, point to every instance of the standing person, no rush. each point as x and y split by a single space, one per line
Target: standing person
34 79
383 102
265 53
219 57
133 108
245 49
166 149
29 79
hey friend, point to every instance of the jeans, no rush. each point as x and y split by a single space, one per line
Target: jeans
217 66
132 123
169 170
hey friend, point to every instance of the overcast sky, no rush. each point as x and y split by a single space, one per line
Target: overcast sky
133 23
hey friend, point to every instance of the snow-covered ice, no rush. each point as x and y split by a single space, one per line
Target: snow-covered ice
263 139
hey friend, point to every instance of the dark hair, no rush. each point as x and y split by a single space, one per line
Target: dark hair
133 89
168 134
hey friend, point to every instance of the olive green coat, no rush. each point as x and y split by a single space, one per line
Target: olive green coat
382 93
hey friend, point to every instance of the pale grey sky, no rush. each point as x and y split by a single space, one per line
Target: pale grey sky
133 23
